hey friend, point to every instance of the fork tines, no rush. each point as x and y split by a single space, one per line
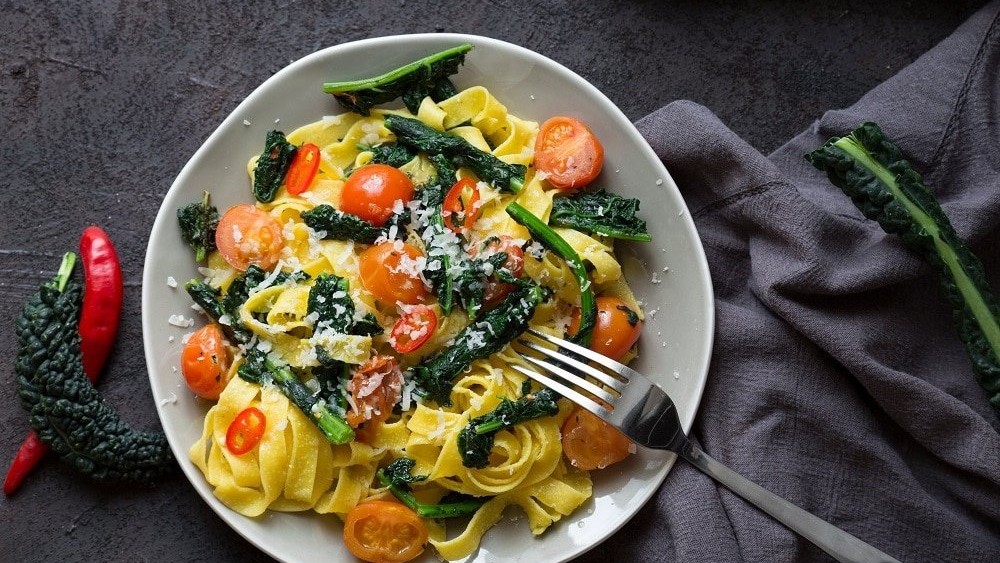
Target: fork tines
586 385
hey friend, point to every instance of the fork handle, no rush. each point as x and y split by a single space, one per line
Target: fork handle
841 545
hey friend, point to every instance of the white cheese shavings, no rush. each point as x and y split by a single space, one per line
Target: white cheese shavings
171 281
180 321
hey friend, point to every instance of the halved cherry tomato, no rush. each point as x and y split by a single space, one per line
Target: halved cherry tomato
590 443
245 431
376 386
614 333
413 329
390 271
461 206
496 290
248 235
568 152
371 192
380 531
303 169
205 362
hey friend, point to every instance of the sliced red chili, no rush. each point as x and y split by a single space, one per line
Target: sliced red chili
303 169
245 431
461 206
413 329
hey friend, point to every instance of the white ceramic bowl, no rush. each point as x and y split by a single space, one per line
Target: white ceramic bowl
670 275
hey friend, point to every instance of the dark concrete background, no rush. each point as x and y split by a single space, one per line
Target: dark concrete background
102 103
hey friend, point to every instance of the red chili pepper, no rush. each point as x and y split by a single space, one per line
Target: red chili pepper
245 431
413 329
102 303
461 206
303 169
102 299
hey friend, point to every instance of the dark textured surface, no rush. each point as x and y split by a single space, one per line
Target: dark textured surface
101 104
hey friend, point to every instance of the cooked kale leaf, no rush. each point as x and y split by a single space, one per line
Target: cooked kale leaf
272 165
551 240
393 154
600 213
398 477
489 335
413 82
885 187
260 369
337 225
475 441
418 136
225 309
198 221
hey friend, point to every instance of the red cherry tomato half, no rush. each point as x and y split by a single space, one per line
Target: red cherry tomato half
389 272
461 206
371 192
249 235
245 431
568 152
303 169
413 329
617 328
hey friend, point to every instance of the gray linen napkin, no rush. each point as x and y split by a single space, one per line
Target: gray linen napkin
837 379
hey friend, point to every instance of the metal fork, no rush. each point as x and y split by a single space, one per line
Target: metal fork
642 411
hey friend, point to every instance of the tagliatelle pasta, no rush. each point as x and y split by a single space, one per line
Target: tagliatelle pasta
295 467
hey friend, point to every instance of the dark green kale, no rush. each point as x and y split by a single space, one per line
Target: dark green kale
413 82
885 187
393 154
366 326
330 300
225 309
438 269
551 240
198 222
272 165
334 224
632 316
600 213
475 441
260 369
398 477
418 136
67 412
479 340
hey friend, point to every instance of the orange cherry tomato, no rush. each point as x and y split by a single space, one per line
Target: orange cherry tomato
303 169
376 386
413 329
380 531
461 206
497 290
589 443
568 152
391 272
614 333
245 431
205 362
248 235
371 192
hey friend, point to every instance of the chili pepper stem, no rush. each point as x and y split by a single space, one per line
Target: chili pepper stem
65 271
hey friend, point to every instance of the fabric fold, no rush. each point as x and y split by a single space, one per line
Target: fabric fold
837 378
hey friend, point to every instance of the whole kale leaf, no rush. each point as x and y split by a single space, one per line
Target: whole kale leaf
67 412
